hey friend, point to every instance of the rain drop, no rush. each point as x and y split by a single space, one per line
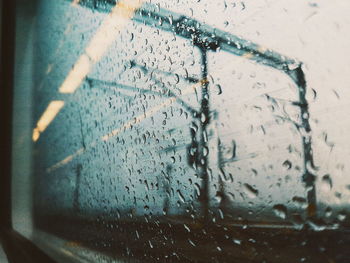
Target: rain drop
250 191
326 184
280 211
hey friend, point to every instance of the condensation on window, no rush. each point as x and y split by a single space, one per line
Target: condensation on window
192 131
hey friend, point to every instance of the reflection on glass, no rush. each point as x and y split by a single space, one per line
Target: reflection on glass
48 116
105 35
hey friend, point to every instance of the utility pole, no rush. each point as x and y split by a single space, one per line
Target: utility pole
203 149
76 201
297 75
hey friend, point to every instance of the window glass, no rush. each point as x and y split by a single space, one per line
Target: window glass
183 131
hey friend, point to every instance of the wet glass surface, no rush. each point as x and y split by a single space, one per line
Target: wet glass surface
191 131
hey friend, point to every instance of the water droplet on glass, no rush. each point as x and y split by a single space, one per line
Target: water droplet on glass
341 216
316 226
187 228
287 164
218 89
182 198
328 212
280 211
300 202
191 242
237 241
326 183
250 191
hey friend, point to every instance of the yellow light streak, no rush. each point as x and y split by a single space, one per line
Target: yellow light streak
138 119
76 75
111 27
149 113
247 55
66 160
106 34
47 117
262 49
126 125
75 2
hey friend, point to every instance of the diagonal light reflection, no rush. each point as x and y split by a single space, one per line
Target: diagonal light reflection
125 126
47 117
116 20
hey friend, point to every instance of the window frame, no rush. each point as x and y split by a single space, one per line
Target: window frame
17 248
